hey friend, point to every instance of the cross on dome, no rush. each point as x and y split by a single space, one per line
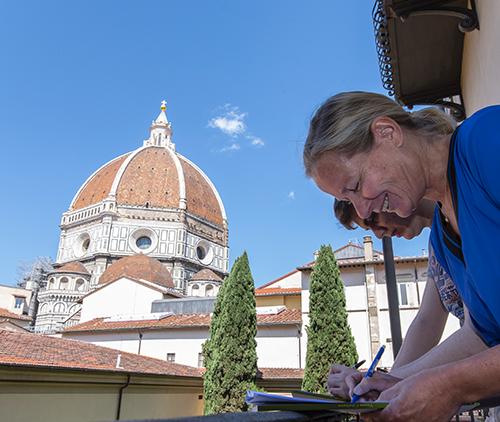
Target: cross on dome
163 105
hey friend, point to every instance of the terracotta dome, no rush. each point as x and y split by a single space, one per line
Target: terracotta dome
72 267
154 176
138 267
206 275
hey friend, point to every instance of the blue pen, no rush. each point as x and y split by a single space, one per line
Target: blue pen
370 371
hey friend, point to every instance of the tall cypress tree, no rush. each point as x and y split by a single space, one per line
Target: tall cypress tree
329 337
230 353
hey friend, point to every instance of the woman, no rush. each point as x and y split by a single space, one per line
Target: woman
440 298
365 148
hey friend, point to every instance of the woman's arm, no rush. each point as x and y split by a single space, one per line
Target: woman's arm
461 344
436 394
426 328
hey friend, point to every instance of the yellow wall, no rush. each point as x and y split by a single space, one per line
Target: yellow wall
291 302
50 396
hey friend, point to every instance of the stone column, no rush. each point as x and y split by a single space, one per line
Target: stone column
371 295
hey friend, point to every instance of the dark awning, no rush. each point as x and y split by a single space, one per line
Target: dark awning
420 45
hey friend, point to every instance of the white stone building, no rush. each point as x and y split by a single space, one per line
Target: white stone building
152 201
174 332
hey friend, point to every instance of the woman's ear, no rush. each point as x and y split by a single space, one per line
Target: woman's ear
384 130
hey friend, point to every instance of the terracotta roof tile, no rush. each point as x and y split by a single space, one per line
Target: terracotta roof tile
276 291
285 317
72 267
26 349
206 275
138 267
201 199
98 187
150 177
280 373
5 313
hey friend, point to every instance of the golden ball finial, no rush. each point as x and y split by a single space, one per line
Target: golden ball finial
163 105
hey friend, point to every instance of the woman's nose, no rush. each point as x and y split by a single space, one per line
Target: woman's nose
362 208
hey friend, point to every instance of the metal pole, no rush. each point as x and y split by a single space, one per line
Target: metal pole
392 295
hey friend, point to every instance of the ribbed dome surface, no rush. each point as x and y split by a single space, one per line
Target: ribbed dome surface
138 267
153 177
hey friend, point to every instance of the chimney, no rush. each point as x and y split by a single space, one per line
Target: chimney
368 246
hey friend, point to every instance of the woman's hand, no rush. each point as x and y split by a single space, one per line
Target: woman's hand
336 385
423 397
370 388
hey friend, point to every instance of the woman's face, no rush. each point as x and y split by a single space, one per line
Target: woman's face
388 178
390 224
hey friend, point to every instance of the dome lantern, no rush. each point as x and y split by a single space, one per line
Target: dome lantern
160 132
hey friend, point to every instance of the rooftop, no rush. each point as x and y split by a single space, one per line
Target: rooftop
34 350
285 317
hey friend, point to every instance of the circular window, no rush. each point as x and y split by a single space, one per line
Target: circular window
204 252
201 252
143 242
81 245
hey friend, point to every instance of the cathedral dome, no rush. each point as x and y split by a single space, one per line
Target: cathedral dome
154 176
138 267
74 267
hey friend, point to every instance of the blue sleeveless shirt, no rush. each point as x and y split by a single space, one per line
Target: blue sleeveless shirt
473 258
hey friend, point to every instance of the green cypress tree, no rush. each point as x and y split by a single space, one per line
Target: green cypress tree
329 337
211 380
231 351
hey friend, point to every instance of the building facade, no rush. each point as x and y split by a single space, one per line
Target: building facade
151 201
176 329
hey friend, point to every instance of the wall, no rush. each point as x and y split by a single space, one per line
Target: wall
288 281
7 298
68 397
277 346
481 59
119 297
290 301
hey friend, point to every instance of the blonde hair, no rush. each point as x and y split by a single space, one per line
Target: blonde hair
343 124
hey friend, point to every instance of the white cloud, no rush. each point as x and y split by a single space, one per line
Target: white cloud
232 147
291 195
256 141
231 121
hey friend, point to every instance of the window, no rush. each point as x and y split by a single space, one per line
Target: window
80 285
195 290
19 304
200 252
171 357
200 360
59 307
407 294
143 242
64 283
209 290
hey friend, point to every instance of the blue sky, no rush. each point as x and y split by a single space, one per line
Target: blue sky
81 81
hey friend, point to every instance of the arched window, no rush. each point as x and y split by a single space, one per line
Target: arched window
80 285
59 308
44 308
195 290
64 283
209 290
52 283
